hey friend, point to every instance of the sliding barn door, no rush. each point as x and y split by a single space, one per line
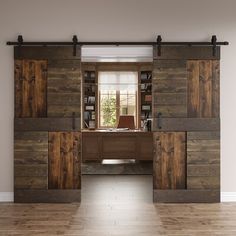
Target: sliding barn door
186 125
47 138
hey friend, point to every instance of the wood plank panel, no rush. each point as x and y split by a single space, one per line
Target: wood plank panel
186 52
169 160
47 124
30 88
205 91
169 88
186 196
203 145
203 182
203 160
203 88
47 196
64 160
44 53
30 182
193 88
215 88
64 89
186 124
30 160
66 155
31 170
54 162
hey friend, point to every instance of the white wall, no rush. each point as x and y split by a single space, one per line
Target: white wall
119 20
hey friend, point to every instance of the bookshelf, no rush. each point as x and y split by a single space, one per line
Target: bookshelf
146 95
89 99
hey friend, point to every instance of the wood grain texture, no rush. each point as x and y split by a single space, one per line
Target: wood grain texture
64 88
30 88
30 160
186 52
46 53
186 196
64 160
47 124
117 145
203 160
169 160
215 88
47 196
169 88
186 124
203 88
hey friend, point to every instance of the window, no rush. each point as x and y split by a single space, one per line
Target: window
117 96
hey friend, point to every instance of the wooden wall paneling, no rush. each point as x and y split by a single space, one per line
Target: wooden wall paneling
170 88
64 160
169 160
64 88
30 88
203 160
30 160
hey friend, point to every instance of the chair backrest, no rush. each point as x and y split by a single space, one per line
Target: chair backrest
126 122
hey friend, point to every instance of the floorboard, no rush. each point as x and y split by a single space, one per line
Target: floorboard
117 205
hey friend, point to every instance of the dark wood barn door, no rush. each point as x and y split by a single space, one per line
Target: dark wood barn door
47 161
186 125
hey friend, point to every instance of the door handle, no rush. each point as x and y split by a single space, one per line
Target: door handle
159 120
73 121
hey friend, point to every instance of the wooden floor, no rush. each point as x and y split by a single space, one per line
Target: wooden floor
117 205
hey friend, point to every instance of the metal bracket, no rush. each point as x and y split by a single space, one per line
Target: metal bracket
159 39
75 41
213 41
20 41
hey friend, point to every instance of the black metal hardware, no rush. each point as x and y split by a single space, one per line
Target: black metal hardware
117 43
213 41
73 121
20 42
159 120
159 39
75 41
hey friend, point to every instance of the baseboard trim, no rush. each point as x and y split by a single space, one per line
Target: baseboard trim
6 196
228 196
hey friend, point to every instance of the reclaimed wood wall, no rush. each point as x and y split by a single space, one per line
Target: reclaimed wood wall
186 91
47 138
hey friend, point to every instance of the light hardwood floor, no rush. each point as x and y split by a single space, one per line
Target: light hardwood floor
117 205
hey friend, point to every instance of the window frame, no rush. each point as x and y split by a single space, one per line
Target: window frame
118 100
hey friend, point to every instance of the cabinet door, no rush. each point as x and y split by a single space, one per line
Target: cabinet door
90 147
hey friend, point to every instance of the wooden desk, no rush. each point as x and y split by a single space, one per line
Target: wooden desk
98 145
